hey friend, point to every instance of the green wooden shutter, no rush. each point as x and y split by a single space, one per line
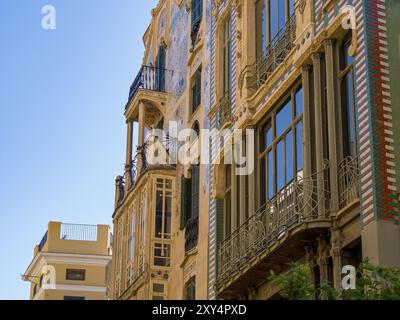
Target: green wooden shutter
195 190
186 194
220 221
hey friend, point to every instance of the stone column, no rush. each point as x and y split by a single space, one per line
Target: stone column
319 141
142 117
119 190
322 259
336 253
305 75
128 162
332 123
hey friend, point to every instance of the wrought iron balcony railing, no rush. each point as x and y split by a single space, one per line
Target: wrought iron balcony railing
257 74
191 234
224 110
150 78
349 181
296 204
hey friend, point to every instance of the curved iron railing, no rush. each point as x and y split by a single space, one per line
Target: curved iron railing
349 181
224 110
191 234
294 205
150 78
257 74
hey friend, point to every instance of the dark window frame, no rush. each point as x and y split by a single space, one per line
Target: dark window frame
78 272
268 153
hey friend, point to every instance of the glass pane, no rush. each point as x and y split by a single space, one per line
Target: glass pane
271 190
289 157
273 17
283 118
291 7
281 14
159 214
167 217
280 166
158 287
263 189
266 137
350 105
299 102
299 146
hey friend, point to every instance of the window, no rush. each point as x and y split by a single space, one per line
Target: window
270 17
163 209
158 291
228 200
190 289
76 274
349 119
281 146
226 58
71 298
197 11
142 234
162 254
132 236
197 14
160 69
196 90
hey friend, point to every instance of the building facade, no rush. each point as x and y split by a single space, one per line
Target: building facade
161 212
314 80
72 262
311 87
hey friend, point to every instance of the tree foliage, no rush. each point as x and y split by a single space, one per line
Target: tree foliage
373 282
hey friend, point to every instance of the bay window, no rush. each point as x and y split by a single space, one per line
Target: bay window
280 156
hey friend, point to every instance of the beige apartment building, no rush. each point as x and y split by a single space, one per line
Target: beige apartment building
161 210
314 81
72 262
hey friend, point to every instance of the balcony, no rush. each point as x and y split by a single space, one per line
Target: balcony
224 110
281 45
191 234
294 216
143 161
151 79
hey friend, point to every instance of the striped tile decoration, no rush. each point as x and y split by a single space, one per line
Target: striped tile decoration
376 140
212 239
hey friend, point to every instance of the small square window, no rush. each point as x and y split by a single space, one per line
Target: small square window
76 275
158 287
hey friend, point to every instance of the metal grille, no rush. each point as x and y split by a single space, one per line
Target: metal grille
276 52
78 232
295 204
150 78
349 178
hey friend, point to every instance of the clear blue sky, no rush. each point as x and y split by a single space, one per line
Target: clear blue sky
62 131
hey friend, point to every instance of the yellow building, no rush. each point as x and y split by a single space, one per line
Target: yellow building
310 80
161 211
72 262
